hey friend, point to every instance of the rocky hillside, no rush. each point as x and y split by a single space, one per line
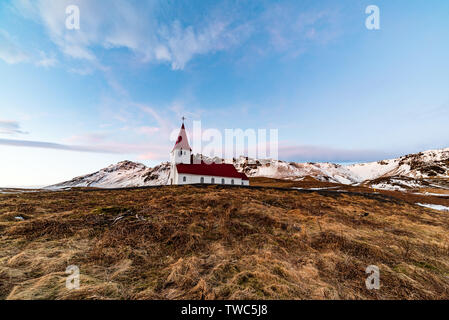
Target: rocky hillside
120 175
429 168
428 164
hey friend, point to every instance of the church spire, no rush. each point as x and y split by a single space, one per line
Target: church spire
182 142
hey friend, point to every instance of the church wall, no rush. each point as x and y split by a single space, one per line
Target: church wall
193 178
180 156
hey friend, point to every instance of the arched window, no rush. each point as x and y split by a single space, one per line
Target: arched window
180 152
232 181
212 180
243 183
184 178
222 181
202 180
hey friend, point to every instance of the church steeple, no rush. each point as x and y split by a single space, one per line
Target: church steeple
181 152
182 142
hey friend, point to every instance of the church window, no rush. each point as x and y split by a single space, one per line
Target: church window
222 181
212 180
202 180
232 181
184 179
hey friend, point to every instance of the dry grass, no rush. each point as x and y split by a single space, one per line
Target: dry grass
214 242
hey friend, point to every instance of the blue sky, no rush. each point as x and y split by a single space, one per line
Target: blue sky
75 101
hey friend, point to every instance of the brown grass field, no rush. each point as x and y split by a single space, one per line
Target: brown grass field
217 242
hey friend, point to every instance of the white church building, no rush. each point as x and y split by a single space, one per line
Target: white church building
184 171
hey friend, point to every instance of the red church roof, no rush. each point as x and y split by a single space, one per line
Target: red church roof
214 169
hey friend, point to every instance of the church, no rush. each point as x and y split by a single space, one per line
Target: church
184 171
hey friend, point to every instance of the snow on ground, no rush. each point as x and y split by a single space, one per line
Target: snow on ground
395 184
431 194
372 170
321 188
438 186
387 186
434 206
435 155
14 190
406 183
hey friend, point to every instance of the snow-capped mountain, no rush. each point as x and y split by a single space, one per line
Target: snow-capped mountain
277 169
429 169
427 164
406 172
121 175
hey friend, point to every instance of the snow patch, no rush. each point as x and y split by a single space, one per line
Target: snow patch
434 206
432 194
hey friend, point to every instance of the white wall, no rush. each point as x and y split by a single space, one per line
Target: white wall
178 178
193 178
175 157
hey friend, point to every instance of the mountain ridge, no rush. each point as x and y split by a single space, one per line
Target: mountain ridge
396 174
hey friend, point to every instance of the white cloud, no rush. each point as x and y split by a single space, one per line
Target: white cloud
292 31
120 24
81 71
10 52
147 130
58 146
10 127
87 138
162 53
46 61
154 33
163 124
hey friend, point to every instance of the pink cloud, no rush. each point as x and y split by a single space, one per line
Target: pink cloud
151 156
148 130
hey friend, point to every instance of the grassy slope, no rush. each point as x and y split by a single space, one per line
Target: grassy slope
220 243
412 196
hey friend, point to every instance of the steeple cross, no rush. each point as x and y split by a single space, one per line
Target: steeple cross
183 118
